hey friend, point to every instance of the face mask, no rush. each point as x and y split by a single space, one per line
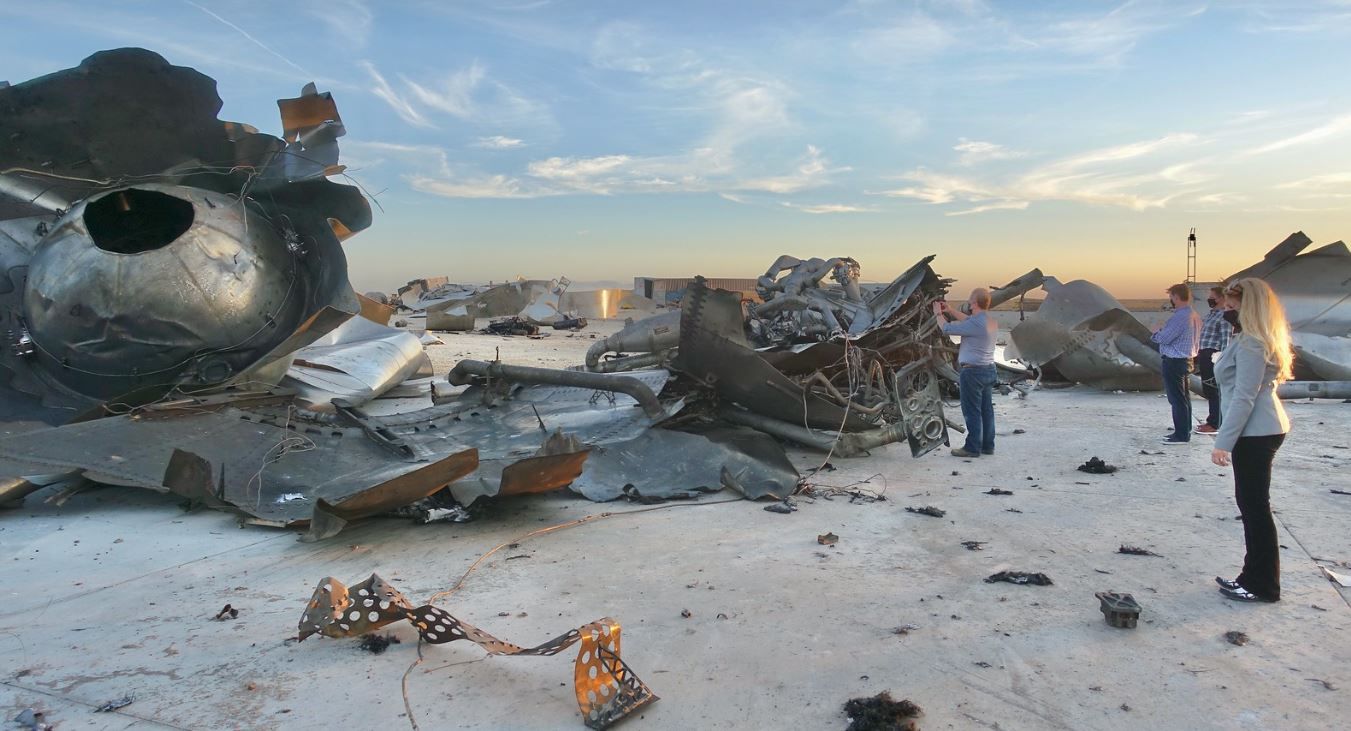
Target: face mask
1212 302
1231 317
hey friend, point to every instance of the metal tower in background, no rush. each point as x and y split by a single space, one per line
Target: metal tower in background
1191 257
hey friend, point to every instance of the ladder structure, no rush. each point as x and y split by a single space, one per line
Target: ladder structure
1191 257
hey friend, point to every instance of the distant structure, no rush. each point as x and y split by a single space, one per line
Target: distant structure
670 290
1191 257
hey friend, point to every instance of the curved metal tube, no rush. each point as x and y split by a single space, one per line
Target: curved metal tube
649 335
465 369
632 362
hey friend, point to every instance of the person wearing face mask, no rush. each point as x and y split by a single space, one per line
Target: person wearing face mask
1214 337
1179 340
1252 429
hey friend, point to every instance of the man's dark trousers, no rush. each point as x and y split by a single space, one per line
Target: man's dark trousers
1175 373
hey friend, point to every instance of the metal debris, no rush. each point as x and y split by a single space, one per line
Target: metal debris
998 491
827 539
785 506
1234 637
1136 551
928 510
1021 578
607 690
226 612
882 713
1095 466
376 643
110 706
1120 610
974 545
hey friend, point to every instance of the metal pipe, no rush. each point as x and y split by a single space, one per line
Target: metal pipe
463 372
632 362
845 444
649 335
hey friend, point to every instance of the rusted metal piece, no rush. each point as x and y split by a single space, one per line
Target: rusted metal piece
607 690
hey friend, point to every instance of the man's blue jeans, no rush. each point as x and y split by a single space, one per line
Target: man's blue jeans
976 384
1175 373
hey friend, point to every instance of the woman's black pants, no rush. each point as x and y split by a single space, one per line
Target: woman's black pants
1252 457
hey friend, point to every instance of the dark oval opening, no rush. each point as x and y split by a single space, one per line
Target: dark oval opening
135 221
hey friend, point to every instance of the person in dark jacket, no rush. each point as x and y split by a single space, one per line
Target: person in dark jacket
1252 428
1215 334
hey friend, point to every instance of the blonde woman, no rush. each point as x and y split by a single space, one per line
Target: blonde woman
1252 428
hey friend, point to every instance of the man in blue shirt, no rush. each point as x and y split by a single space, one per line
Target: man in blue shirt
1214 338
1179 340
976 371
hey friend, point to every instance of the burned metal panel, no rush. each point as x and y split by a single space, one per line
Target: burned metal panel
921 405
663 463
607 691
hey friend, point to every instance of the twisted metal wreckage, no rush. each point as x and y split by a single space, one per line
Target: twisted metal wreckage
179 318
1081 334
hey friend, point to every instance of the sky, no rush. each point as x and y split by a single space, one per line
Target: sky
604 140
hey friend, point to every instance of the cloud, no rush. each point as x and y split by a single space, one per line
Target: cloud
349 20
250 38
401 106
495 186
812 171
1109 37
975 151
1318 182
824 208
1332 128
1119 175
467 94
498 142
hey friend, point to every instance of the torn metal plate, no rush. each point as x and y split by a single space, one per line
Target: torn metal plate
607 690
664 463
355 362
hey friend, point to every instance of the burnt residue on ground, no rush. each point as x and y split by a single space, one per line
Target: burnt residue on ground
1095 466
974 545
997 491
1019 577
928 510
376 643
1136 551
882 713
1235 637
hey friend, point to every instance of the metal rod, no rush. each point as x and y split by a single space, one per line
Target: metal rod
463 372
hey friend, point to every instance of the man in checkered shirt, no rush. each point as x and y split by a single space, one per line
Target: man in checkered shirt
1214 338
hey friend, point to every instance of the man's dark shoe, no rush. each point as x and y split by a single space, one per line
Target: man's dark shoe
1176 440
987 451
961 452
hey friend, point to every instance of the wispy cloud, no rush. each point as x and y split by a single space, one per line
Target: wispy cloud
1112 176
812 171
975 151
825 208
401 106
1108 37
498 142
1319 182
349 20
494 186
1332 128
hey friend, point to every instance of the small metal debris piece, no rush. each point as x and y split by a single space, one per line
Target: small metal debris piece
827 539
1236 638
1022 578
110 706
882 713
974 545
927 510
1019 431
226 612
686 613
377 643
905 629
1325 684
1095 466
1136 551
607 690
983 664
1339 492
1012 510
1120 610
997 491
785 506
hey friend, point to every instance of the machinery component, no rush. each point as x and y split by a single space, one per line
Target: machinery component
607 690
460 375
1120 610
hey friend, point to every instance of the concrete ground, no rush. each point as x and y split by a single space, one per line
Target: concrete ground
115 592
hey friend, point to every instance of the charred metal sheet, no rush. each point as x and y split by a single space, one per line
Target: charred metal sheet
921 405
663 463
607 690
